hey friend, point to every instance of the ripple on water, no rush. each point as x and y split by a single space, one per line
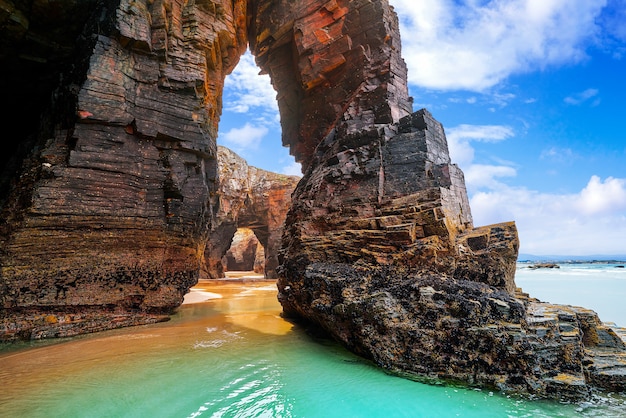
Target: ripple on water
253 390
219 338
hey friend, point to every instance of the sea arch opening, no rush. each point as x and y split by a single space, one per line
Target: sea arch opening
246 254
333 72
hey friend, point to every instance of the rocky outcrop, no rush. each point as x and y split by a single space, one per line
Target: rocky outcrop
111 208
110 195
380 251
544 266
112 202
251 198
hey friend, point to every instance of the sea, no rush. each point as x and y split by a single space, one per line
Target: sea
227 352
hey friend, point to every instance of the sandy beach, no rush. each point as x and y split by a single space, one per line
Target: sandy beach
207 289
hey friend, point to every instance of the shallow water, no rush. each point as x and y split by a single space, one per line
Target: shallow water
232 355
601 287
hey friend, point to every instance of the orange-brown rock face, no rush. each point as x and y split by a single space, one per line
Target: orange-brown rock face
245 253
112 208
336 66
248 198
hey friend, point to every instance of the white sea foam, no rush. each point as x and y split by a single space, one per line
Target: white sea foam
198 296
251 292
223 337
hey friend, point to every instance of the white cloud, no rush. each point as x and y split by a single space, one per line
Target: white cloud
293 169
475 45
245 89
582 97
245 138
459 138
479 176
248 92
603 197
592 221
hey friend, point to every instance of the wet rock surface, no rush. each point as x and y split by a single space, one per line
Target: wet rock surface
380 250
108 207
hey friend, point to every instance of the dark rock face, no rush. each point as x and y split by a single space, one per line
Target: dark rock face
110 210
113 203
380 251
431 327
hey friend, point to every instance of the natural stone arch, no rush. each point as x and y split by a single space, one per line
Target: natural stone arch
336 66
245 253
247 197
121 187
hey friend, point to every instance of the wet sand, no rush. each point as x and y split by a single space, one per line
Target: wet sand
219 316
212 309
207 289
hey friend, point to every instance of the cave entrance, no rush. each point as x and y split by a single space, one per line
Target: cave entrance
246 254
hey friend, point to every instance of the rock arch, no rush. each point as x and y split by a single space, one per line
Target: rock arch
119 189
248 198
245 253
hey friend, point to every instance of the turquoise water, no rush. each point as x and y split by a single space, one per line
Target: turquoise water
234 357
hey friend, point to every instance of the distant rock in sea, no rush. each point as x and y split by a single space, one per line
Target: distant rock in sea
544 266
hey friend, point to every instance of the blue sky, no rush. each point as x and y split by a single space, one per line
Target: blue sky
532 95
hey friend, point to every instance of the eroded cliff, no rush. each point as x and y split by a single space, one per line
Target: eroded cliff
380 251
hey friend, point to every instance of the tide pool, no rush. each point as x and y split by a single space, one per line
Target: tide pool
230 354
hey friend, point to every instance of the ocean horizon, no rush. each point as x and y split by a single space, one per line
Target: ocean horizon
600 286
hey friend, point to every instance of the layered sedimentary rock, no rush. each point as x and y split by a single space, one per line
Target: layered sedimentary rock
380 251
335 64
251 198
113 204
112 208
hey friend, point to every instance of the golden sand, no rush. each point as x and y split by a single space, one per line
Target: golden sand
213 309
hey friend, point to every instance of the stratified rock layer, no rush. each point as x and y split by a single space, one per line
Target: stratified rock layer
245 253
380 251
111 210
112 203
247 197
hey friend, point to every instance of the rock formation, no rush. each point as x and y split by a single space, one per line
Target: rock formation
245 253
380 251
247 197
111 196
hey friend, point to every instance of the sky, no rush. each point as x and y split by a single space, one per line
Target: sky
532 96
